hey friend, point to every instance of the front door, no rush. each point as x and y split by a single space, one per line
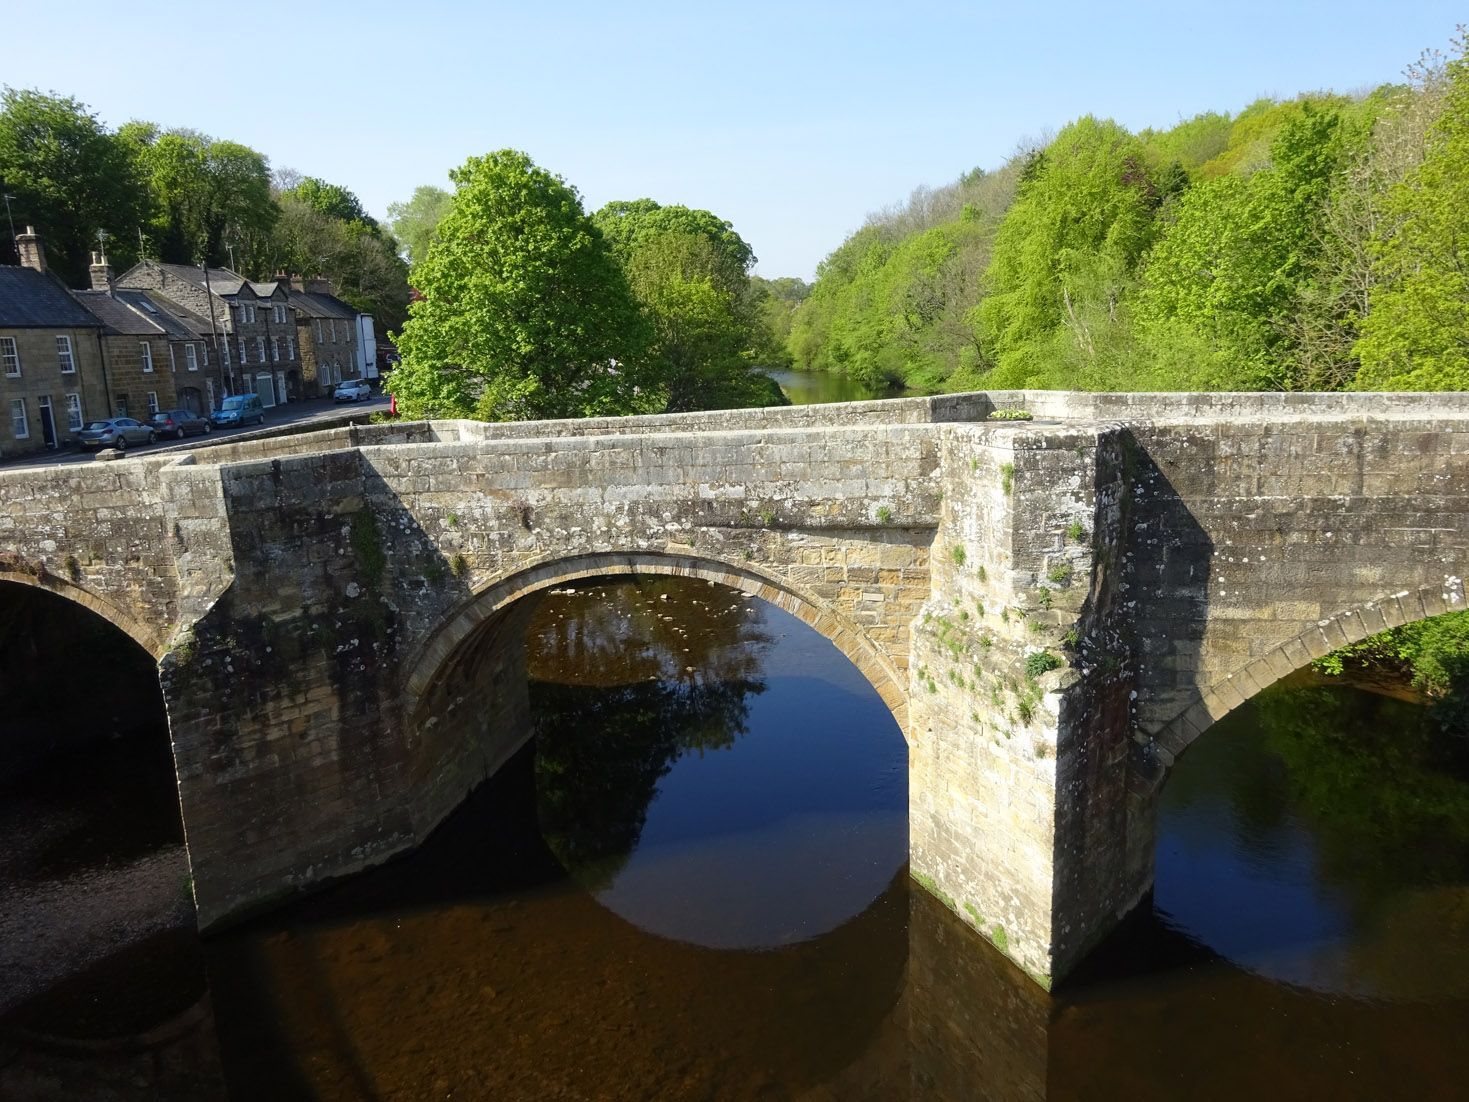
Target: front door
265 387
48 422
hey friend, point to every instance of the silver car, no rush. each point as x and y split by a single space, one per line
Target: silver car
353 390
117 433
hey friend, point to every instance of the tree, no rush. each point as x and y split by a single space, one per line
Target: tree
688 269
1064 259
416 222
1416 336
332 200
205 193
70 178
525 311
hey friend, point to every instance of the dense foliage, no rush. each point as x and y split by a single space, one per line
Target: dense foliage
531 309
1313 243
525 313
185 198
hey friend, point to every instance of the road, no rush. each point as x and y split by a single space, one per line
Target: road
295 413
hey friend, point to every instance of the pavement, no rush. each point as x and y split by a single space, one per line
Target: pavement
293 413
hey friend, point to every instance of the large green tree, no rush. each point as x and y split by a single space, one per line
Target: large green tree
689 270
206 193
70 177
1416 335
525 311
1065 258
416 222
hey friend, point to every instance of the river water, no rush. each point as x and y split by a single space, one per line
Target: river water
691 884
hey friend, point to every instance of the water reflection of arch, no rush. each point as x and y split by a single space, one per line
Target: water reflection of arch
484 606
1217 699
152 638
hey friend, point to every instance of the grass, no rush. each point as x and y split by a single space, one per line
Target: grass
1007 477
884 515
1011 415
1061 574
1042 661
1075 532
1000 938
958 554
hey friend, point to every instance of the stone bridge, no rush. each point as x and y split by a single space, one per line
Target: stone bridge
1052 610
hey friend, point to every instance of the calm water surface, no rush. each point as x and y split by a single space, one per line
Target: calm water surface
811 387
691 885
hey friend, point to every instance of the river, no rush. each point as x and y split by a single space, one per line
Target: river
691 884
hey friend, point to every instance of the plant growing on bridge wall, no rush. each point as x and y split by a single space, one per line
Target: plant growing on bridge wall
958 554
1010 415
367 548
884 515
1007 477
1042 661
1060 574
1074 531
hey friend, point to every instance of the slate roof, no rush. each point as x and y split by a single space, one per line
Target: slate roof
35 300
118 315
222 281
177 321
314 304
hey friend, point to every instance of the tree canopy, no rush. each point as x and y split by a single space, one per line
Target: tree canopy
525 311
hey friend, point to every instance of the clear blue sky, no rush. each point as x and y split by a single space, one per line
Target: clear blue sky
792 120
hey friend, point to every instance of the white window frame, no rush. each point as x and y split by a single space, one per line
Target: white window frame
275 350
65 357
260 348
147 357
152 402
280 314
244 357
74 418
247 315
20 422
10 357
191 357
204 352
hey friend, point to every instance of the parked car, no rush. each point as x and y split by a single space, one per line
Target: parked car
239 409
117 433
179 423
352 390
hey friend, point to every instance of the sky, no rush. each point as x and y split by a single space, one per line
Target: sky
792 120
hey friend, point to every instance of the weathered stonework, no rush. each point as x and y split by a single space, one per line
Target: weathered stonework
1053 611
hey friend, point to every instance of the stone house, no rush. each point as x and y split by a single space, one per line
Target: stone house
328 335
52 379
253 331
200 378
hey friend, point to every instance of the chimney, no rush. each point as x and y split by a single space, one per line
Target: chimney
32 252
101 273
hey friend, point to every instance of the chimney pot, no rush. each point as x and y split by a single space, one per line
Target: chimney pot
101 273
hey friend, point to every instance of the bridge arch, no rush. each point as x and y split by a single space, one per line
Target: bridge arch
483 606
1217 699
152 639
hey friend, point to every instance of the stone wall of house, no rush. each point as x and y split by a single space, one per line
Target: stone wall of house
41 375
132 381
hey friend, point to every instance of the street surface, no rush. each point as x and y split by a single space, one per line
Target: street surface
295 413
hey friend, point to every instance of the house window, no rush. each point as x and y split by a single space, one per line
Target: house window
275 349
224 353
260 348
318 330
10 356
244 359
204 351
290 348
247 314
173 360
152 401
20 427
191 357
64 357
74 412
147 350
280 314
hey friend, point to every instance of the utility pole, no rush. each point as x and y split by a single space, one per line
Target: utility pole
11 219
231 248
213 331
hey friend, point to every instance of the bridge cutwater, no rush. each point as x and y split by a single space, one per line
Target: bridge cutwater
1053 610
